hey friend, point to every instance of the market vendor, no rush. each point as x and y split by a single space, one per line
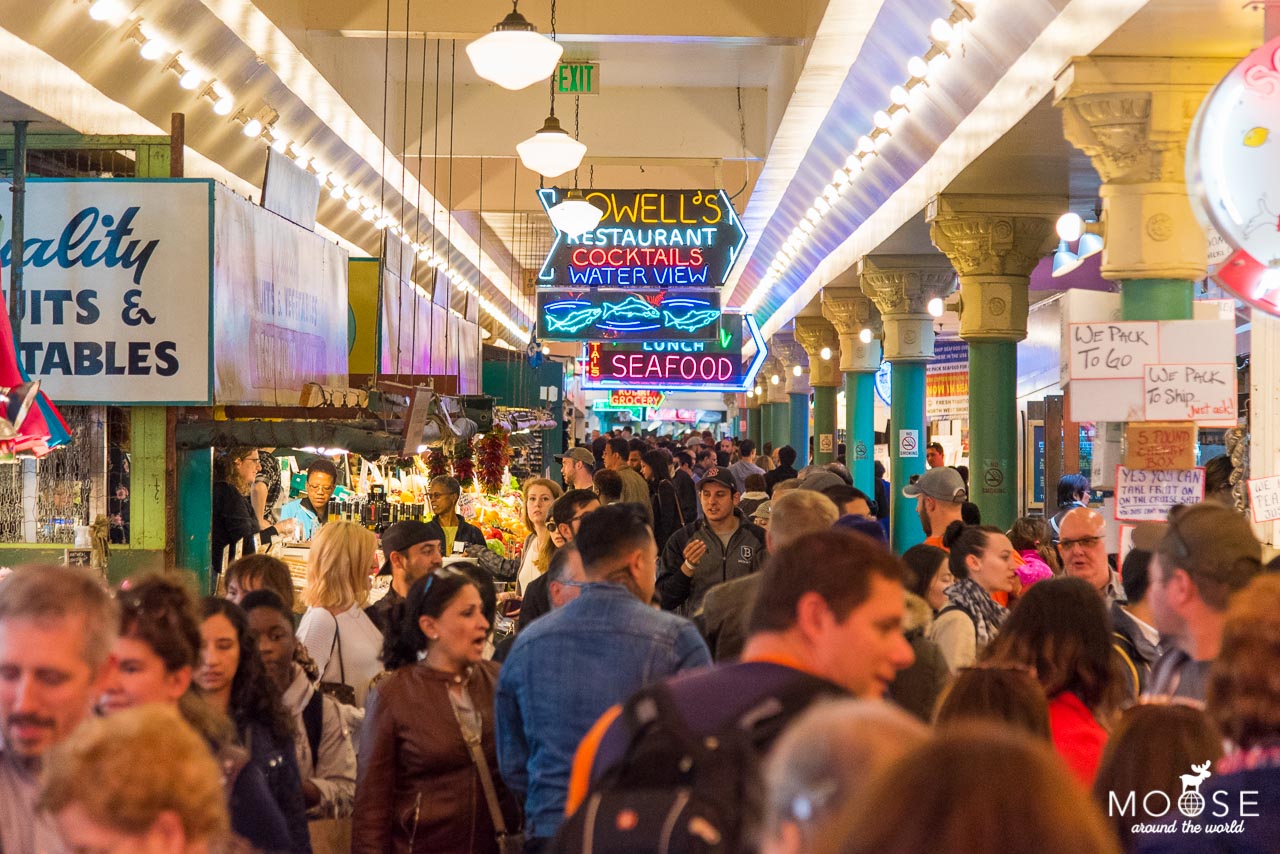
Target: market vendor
312 509
443 493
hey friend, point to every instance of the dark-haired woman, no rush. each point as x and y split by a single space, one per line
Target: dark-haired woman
429 723
655 465
233 681
156 654
1060 630
982 562
930 574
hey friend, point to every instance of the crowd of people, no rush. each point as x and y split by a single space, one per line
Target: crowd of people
712 651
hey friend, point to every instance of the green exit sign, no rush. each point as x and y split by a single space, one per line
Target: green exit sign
578 78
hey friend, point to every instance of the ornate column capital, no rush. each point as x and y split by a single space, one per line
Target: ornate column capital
791 355
814 332
901 287
1131 116
773 393
994 243
851 311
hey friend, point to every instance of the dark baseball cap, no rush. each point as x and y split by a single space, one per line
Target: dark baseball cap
941 484
404 535
1206 539
715 474
582 455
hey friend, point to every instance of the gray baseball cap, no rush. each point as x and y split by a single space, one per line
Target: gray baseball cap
941 484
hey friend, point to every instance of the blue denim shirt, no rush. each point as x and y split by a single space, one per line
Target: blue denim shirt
566 670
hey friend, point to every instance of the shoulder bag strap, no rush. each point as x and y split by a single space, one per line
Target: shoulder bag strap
486 783
337 641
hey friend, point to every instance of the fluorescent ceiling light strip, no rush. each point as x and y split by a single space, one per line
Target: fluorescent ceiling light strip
836 45
1076 31
306 82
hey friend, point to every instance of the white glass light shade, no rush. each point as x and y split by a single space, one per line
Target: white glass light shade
551 152
575 215
1070 226
935 307
514 55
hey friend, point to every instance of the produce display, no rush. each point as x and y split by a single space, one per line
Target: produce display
500 518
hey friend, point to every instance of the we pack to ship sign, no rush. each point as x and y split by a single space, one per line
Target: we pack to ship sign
116 289
647 239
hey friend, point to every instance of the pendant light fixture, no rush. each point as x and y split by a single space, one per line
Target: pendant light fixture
574 215
551 152
514 54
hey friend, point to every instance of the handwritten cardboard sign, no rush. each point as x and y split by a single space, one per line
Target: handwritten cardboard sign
1160 445
1190 392
1264 498
1109 351
1143 495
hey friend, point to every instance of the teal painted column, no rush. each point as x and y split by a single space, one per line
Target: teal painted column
779 424
993 433
906 451
195 514
824 423
754 431
798 428
860 410
1156 299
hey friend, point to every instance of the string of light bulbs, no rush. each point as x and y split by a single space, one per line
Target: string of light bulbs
261 127
946 36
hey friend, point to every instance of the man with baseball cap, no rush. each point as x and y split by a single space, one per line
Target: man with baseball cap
720 546
1200 557
577 465
412 550
939 493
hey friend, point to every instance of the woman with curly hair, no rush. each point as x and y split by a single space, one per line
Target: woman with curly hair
156 653
1060 629
233 681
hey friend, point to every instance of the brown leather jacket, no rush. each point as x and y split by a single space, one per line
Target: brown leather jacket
417 789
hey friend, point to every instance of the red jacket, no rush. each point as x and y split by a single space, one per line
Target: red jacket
1077 736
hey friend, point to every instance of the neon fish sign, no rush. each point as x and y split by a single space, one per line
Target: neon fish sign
647 239
623 315
672 365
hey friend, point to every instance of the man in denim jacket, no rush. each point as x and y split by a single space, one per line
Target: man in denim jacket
566 669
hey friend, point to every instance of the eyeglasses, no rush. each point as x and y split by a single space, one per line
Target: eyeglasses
1084 542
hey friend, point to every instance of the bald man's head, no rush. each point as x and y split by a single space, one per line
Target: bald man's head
1083 547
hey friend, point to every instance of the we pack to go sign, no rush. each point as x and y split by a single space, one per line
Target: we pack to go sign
577 78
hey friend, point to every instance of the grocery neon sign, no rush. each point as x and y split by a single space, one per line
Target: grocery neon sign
674 365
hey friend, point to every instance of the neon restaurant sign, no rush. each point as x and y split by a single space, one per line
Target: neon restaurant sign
628 315
678 365
647 239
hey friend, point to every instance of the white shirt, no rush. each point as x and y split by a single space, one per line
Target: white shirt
359 640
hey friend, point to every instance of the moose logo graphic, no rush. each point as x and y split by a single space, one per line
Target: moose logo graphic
1191 802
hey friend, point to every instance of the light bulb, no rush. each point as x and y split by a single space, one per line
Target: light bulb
154 48
813 215
751 393
546 351
107 10
941 31
881 119
775 379
280 144
822 205
865 145
899 95
336 192
1070 226
853 164
865 336
825 353
759 390
806 226
367 215
190 79
840 178
224 105
917 68
796 370
252 128
935 306
353 203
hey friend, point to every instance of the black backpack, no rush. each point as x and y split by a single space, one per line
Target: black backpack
674 790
